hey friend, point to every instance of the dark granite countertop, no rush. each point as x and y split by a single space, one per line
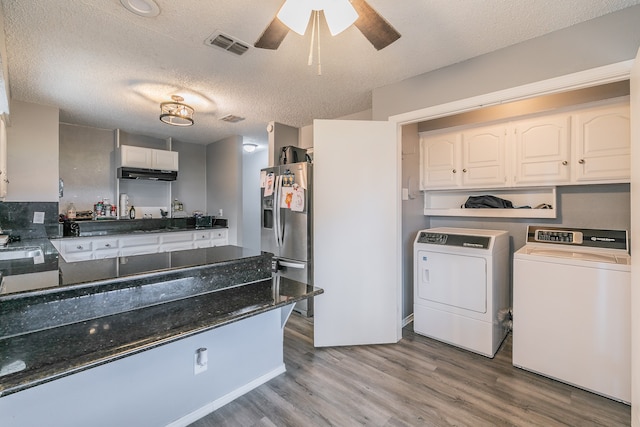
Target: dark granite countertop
52 353
100 270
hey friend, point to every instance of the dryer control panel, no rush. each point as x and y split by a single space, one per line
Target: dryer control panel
446 239
574 237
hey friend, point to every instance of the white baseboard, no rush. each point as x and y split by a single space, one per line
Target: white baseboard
229 397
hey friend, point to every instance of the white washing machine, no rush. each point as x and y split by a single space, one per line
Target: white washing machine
572 309
461 287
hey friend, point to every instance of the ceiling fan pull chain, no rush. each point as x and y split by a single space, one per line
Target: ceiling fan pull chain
319 60
313 36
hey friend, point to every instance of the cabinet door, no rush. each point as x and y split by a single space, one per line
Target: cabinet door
202 239
542 150
4 180
440 161
135 157
603 145
141 245
77 250
105 248
176 241
165 160
483 157
219 238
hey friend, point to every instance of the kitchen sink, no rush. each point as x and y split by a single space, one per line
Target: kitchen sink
10 254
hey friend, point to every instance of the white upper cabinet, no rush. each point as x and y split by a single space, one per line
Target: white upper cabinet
164 160
473 158
586 146
483 157
148 158
603 146
542 150
440 161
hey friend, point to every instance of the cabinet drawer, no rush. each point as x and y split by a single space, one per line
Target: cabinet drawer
202 235
76 246
219 234
103 244
177 237
128 242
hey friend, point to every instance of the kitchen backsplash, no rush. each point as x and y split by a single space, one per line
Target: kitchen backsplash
17 219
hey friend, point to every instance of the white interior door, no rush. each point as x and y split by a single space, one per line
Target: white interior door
356 233
635 242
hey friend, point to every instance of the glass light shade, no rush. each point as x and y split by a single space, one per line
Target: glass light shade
249 148
176 113
339 14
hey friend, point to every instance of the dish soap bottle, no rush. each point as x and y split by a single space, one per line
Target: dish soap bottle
71 211
132 213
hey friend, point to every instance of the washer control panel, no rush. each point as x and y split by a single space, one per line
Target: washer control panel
583 237
573 237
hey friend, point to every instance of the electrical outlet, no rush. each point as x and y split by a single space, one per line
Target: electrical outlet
200 361
220 212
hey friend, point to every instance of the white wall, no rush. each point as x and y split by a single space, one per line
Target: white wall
601 41
224 183
251 165
191 186
635 245
32 153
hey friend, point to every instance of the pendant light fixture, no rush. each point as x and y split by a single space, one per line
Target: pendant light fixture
176 113
339 14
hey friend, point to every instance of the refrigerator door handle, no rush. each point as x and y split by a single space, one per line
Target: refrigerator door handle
276 210
291 264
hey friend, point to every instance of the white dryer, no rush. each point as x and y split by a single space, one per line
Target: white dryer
461 287
572 309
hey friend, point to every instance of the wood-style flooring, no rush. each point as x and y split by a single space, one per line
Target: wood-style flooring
416 382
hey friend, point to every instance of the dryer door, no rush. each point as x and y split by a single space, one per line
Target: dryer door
454 280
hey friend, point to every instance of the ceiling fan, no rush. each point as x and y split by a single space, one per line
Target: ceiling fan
370 23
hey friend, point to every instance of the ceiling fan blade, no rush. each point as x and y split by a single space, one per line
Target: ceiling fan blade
273 35
373 26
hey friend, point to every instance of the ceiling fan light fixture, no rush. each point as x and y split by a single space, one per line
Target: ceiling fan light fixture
176 113
339 14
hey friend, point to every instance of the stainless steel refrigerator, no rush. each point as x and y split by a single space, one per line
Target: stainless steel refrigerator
287 223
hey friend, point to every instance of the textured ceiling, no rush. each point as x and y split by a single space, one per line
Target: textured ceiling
108 68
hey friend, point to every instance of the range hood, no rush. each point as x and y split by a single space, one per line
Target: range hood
147 174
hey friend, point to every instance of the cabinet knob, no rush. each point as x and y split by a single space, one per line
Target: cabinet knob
108 245
464 170
454 171
79 247
564 163
581 161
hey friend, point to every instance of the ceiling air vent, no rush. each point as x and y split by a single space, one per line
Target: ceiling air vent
227 43
231 118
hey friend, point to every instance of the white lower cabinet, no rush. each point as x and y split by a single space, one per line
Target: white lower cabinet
177 241
88 248
139 245
220 237
105 248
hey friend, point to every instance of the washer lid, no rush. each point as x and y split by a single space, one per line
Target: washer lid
579 255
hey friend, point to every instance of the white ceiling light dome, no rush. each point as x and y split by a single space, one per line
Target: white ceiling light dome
146 8
339 14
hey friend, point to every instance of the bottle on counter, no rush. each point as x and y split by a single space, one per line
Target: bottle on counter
71 211
132 213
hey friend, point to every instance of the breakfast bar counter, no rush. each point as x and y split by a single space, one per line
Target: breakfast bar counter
131 310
